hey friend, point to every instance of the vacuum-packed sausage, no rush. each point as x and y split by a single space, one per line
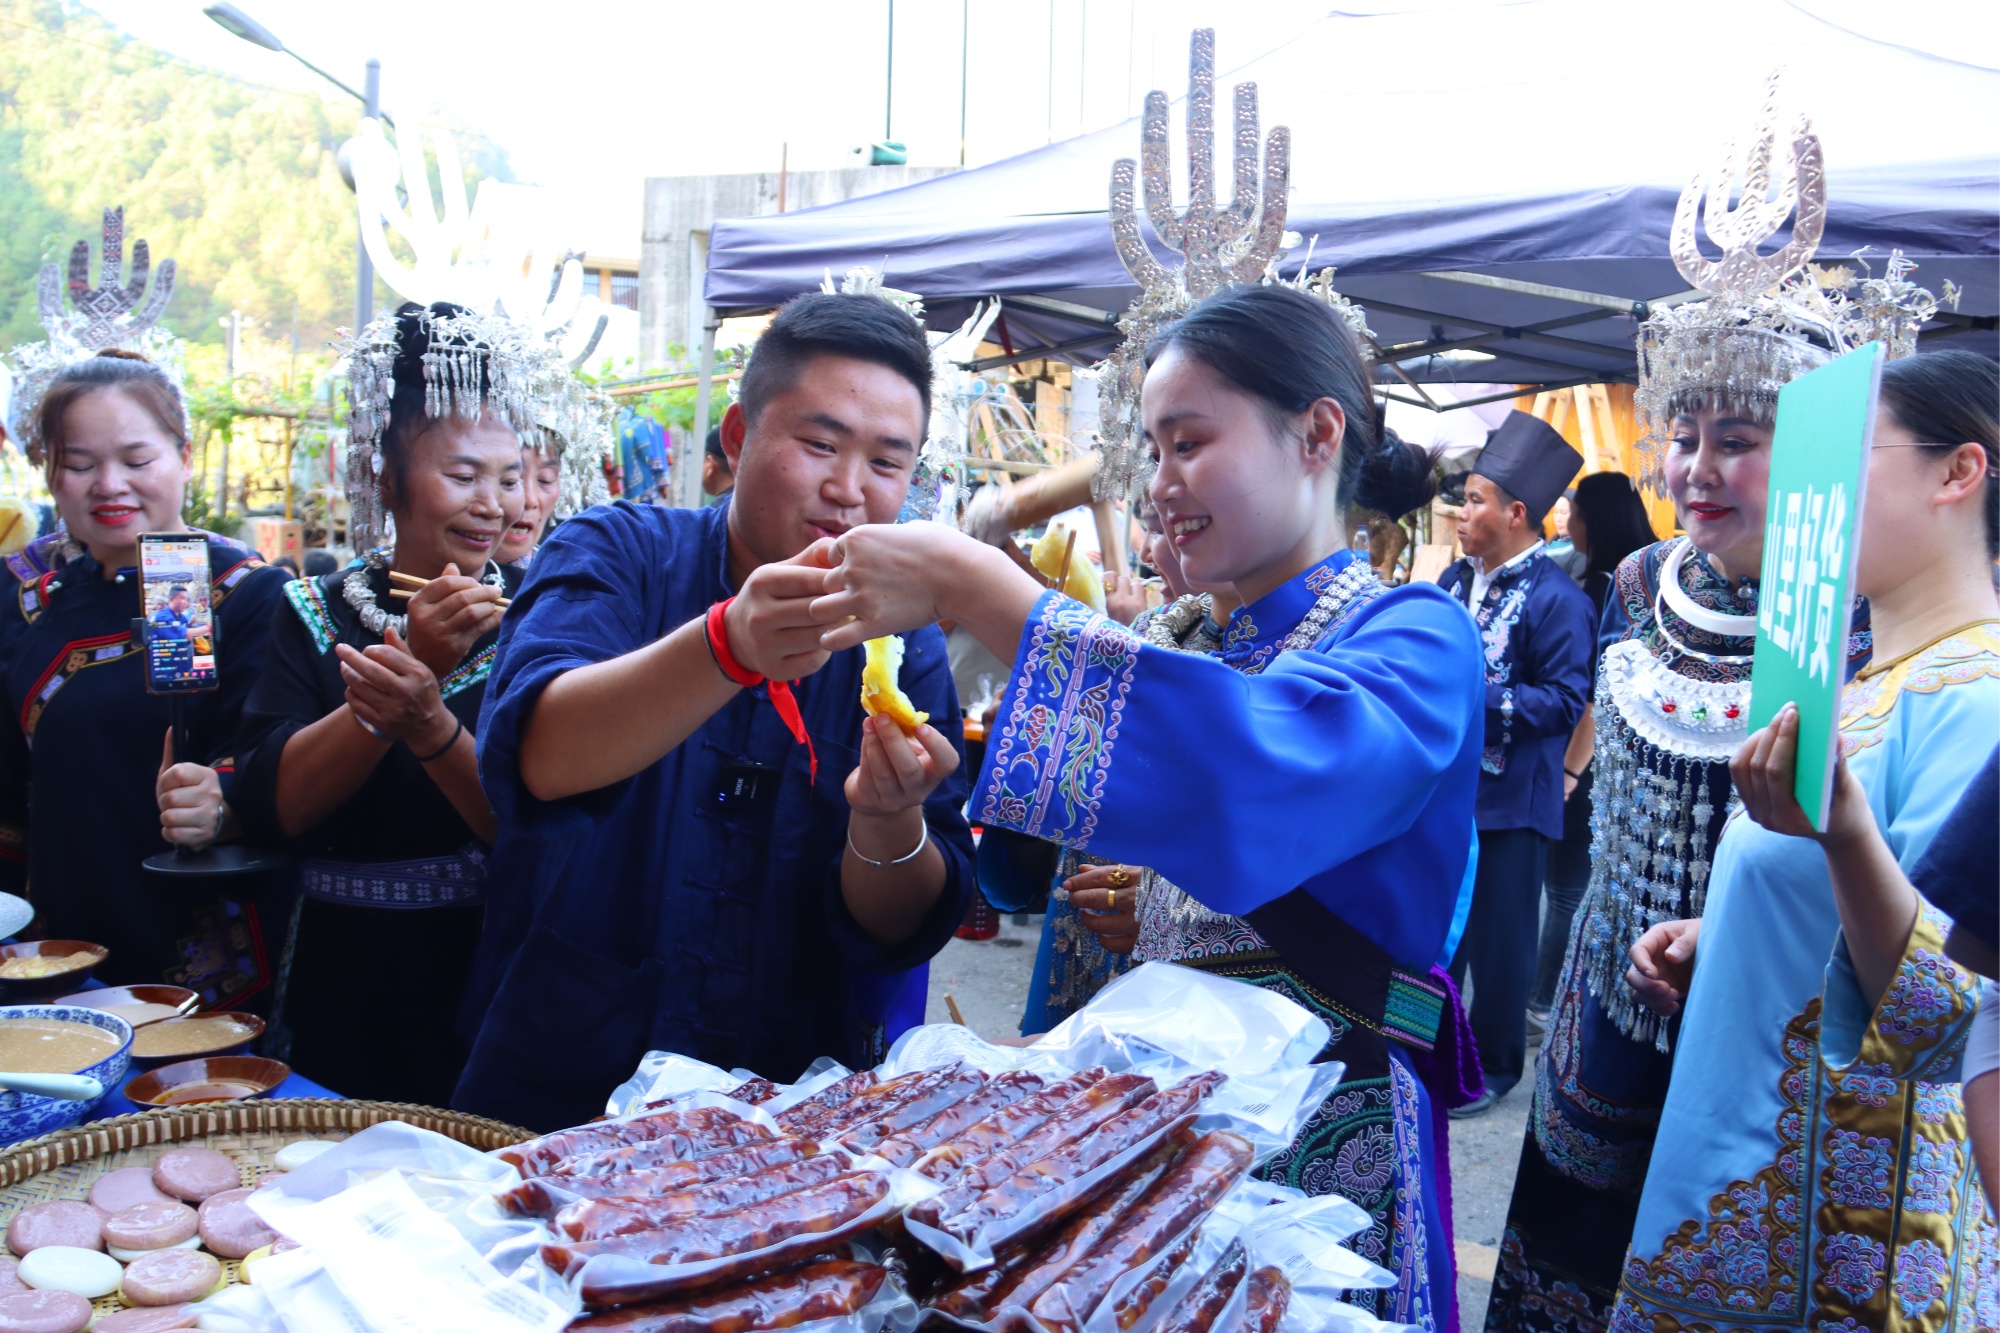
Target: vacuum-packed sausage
908 1145
692 1240
598 1219
1194 1184
879 1100
1012 1199
807 1115
1076 1118
671 1146
754 1093
692 1131
1005 1126
230 1227
1029 1272
806 1295
1197 1310
937 1090
1267 1295
192 1174
1138 1299
543 1195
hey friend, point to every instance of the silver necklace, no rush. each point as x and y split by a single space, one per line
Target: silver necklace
354 588
1714 622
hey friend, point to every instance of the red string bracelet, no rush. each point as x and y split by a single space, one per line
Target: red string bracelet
780 692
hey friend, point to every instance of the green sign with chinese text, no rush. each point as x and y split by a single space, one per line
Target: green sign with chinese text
1819 467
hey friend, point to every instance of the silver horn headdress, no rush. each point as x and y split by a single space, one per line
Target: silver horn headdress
1239 242
118 312
1767 319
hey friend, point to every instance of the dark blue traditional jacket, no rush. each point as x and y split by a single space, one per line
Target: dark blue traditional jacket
1536 629
80 748
693 907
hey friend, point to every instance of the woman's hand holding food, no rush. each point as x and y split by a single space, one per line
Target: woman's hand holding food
448 615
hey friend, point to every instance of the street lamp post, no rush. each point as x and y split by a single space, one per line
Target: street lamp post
239 24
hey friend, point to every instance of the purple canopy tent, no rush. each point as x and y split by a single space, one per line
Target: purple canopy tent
1494 183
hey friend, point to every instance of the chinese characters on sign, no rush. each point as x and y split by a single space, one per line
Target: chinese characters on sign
1798 614
1819 467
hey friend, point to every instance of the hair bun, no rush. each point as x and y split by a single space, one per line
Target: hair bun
1396 476
126 354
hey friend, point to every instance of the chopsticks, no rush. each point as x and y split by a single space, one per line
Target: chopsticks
408 585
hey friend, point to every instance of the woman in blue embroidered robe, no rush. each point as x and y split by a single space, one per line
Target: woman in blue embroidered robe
1315 781
1821 1179
359 756
81 742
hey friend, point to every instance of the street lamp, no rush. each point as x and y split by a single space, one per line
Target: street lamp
239 24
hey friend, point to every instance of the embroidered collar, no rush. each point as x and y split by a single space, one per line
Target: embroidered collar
1516 563
1257 632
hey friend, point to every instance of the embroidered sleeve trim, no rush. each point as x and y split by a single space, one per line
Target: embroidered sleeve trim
304 595
73 657
1924 1017
1046 771
232 578
472 671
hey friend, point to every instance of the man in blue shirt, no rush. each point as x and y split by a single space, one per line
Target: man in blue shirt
685 863
1535 628
171 620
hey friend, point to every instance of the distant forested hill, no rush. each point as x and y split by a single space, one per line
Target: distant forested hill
236 183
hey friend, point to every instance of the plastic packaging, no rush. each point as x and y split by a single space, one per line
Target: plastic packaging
1268 1226
400 1233
1168 1023
889 1310
662 1076
603 1278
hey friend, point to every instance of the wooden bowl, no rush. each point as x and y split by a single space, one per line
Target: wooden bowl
225 1078
79 958
127 1001
229 1033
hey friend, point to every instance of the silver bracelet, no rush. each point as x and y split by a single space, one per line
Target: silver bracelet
923 841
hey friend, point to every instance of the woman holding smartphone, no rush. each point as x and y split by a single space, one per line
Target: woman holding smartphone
89 787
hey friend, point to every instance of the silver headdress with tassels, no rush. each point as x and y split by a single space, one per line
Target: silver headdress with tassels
473 364
1240 242
115 313
1767 319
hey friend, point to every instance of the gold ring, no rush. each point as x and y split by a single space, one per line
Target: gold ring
1119 877
1111 900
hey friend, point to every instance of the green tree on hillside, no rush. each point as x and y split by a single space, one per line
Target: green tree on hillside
237 184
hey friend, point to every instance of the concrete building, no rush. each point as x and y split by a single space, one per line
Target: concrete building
680 210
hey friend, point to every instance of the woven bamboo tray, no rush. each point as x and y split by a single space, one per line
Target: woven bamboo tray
63 1165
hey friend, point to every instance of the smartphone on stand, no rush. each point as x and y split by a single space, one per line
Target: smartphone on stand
179 621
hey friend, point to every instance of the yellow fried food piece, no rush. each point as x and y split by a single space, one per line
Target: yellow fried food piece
881 696
1085 583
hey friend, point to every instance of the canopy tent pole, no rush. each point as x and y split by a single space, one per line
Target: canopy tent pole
687 475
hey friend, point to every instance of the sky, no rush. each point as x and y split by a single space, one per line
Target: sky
589 97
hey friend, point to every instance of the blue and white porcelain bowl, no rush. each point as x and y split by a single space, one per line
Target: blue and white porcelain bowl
25 1116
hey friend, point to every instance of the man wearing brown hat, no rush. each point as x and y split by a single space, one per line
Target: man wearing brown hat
1535 625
